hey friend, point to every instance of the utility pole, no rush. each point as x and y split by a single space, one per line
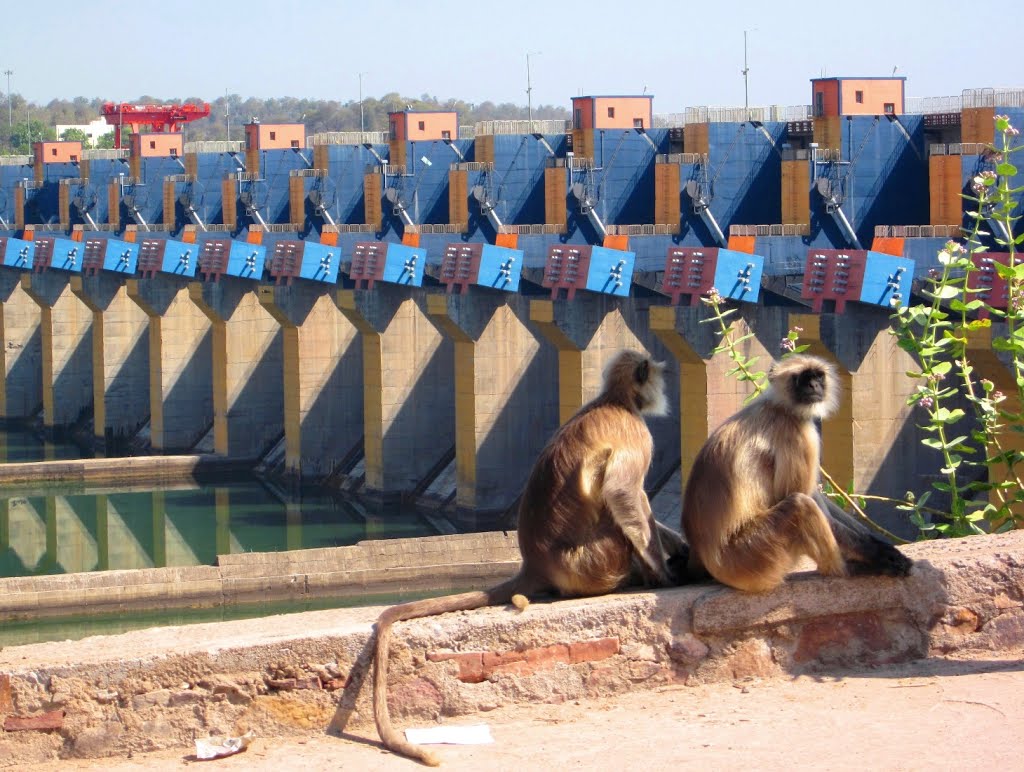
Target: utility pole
10 117
529 88
227 115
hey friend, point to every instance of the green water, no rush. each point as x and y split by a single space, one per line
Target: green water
19 445
62 533
63 530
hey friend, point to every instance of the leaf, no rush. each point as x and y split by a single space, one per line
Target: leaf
1006 169
945 292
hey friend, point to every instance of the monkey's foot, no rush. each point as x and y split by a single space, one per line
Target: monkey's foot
520 601
880 559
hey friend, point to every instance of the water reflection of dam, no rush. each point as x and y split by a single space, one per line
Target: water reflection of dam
52 533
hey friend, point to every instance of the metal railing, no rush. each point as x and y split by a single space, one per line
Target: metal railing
918 231
347 138
930 105
104 153
15 160
522 127
779 229
215 146
993 97
958 148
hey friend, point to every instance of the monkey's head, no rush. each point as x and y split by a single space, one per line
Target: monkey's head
807 385
634 379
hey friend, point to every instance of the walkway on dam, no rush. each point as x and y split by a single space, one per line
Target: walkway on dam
938 713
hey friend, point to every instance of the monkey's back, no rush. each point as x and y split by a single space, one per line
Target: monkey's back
566 534
751 462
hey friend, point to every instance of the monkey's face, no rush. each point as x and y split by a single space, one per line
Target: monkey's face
808 386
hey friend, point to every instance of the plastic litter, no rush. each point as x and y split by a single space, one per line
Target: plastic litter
211 748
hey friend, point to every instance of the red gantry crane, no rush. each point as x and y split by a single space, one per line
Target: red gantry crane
159 117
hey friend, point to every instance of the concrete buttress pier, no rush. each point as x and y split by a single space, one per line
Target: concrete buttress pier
588 331
66 338
506 404
21 389
708 395
872 440
248 391
408 399
120 357
323 386
991 365
180 362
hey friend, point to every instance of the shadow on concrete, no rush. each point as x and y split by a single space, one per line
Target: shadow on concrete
188 406
72 387
127 398
25 379
335 419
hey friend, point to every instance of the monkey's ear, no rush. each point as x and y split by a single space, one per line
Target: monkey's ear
643 370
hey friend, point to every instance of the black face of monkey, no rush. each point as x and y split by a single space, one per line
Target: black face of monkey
809 386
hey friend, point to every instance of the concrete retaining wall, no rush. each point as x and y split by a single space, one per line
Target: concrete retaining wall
393 566
304 673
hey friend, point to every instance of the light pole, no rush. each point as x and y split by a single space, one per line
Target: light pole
745 70
10 118
529 88
362 127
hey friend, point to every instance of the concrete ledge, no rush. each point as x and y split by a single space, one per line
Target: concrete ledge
305 672
425 564
109 471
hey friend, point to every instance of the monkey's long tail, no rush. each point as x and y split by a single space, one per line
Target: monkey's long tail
394 740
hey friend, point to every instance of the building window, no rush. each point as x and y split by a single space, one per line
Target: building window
446 135
74 159
295 144
638 123
53 151
152 144
578 120
890 108
422 125
273 135
819 104
611 112
859 96
174 152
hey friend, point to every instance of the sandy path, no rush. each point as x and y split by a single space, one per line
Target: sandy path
937 714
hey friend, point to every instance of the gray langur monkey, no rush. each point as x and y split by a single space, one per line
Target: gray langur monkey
752 506
585 526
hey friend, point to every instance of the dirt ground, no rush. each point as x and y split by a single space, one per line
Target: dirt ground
943 713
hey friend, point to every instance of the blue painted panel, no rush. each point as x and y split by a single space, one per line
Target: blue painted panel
886 277
121 257
67 255
246 260
500 268
18 253
404 265
738 275
180 259
611 271
320 263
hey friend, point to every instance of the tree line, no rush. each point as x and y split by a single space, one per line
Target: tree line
29 122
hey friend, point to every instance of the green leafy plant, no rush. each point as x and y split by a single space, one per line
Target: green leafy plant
938 334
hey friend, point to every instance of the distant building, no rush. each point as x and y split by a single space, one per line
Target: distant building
93 130
857 96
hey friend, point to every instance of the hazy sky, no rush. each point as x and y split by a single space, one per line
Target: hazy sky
684 53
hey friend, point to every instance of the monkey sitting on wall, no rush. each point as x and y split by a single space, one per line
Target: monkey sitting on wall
752 506
585 525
